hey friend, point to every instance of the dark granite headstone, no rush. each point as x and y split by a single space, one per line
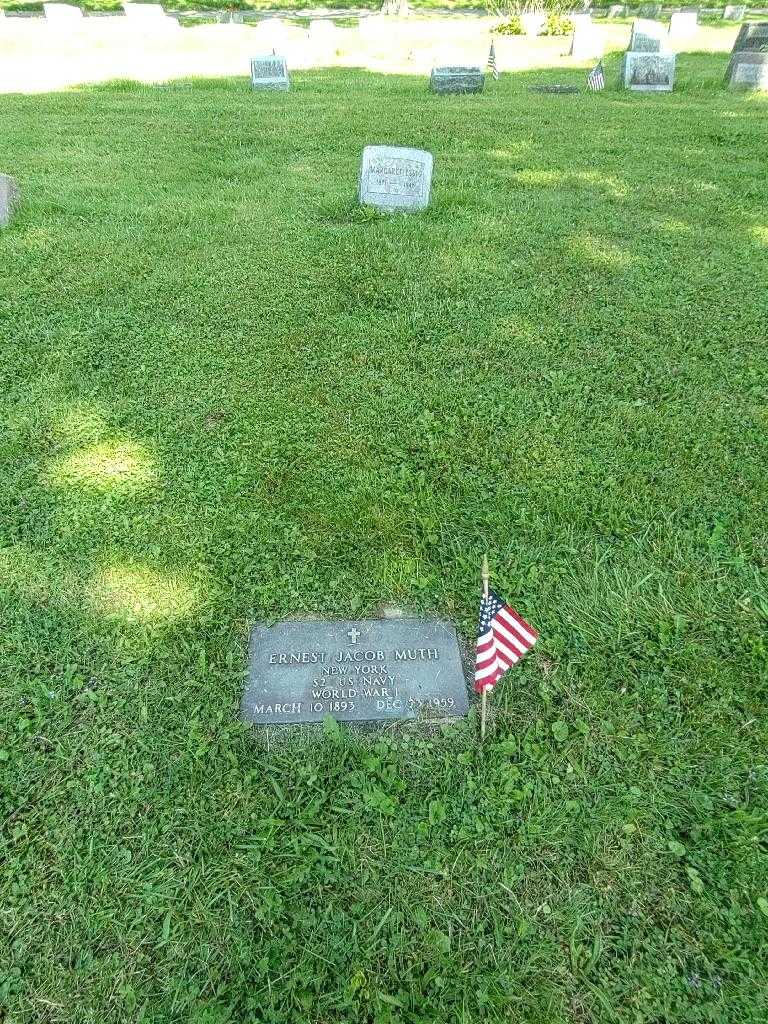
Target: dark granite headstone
365 671
748 70
456 80
752 37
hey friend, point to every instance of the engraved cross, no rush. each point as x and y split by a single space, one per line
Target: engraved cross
353 634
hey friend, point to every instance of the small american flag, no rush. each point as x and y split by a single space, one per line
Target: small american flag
492 61
596 78
503 637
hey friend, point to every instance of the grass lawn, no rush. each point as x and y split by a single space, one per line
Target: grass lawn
229 394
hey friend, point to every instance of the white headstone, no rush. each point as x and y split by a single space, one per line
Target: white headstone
734 12
647 36
9 199
146 13
587 40
648 72
617 11
395 178
683 24
269 72
62 13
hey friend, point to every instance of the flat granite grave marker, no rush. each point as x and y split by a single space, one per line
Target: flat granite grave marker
456 79
752 37
748 70
647 36
269 72
648 72
358 671
9 199
395 178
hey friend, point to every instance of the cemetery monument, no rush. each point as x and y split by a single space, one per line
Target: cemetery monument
269 72
395 178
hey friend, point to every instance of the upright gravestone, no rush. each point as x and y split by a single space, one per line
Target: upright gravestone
648 72
734 12
748 70
617 11
9 199
269 72
683 24
62 13
647 37
365 671
752 37
395 178
649 10
456 79
586 40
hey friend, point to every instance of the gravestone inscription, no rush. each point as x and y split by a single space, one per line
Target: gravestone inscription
752 37
647 36
269 72
648 72
748 70
395 178
362 671
456 80
9 199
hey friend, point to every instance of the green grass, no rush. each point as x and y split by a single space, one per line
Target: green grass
229 394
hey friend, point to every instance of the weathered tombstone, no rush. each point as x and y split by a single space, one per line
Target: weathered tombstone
734 12
269 72
66 13
648 72
752 37
395 178
365 671
683 24
456 79
748 70
9 199
617 11
649 10
647 37
586 41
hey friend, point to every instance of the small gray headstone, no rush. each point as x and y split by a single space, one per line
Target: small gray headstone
395 178
748 71
456 80
752 37
365 671
649 10
269 72
734 12
648 72
9 199
647 37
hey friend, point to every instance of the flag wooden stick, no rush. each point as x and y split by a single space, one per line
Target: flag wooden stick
484 695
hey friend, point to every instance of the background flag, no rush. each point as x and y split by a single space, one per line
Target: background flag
596 78
492 61
503 637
